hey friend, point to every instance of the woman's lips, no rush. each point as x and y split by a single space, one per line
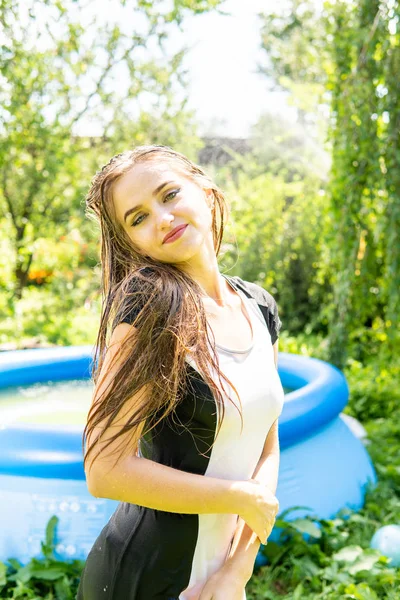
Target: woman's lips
176 235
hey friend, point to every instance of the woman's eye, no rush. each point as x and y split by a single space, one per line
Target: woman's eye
138 220
174 192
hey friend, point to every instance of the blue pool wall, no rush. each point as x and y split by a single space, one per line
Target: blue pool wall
324 466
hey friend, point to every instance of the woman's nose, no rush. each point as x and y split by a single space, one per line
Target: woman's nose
165 220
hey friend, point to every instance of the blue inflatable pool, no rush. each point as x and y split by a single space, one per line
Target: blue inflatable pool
324 464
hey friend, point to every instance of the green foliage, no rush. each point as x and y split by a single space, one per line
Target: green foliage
275 237
303 70
60 304
344 59
51 59
46 578
373 383
375 392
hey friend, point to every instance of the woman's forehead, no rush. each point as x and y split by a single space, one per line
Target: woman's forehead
142 181
144 176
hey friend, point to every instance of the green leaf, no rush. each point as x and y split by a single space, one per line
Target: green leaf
287 511
3 571
361 591
48 546
63 589
48 573
298 593
364 562
306 526
348 554
15 563
24 574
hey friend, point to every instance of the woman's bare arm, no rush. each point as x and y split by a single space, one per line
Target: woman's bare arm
141 481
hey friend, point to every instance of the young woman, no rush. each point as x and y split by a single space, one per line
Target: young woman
197 474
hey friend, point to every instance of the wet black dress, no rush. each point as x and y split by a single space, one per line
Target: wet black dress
147 554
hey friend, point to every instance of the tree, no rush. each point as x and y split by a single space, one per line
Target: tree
59 66
347 58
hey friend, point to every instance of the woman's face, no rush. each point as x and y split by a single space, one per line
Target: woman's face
162 208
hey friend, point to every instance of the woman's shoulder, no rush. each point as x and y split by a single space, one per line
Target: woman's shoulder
266 302
260 294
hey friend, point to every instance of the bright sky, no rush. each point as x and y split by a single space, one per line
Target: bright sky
222 65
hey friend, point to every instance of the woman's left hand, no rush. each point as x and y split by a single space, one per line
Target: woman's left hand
224 583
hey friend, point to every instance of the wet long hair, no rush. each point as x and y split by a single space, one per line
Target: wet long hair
170 318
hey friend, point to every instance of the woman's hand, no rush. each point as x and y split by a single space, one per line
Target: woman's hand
259 508
224 583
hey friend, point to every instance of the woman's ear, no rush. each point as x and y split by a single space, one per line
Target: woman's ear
210 198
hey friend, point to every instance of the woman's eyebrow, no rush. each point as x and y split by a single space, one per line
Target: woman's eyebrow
156 191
